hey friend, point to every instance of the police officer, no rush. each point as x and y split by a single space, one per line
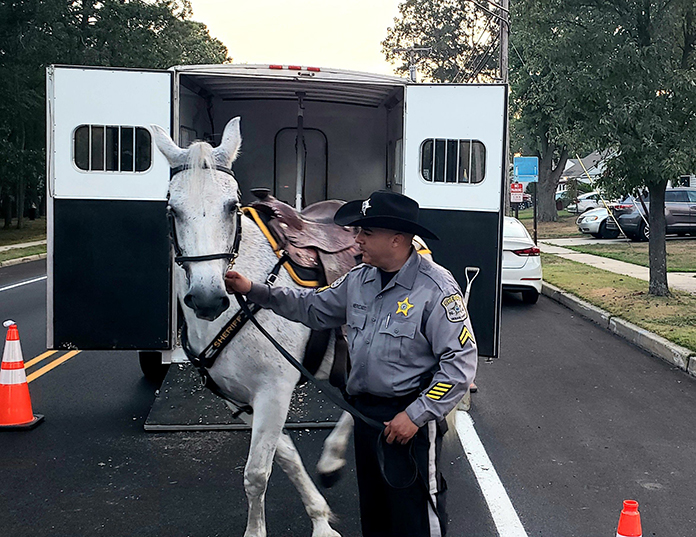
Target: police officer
412 357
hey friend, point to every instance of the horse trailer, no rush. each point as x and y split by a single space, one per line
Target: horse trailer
309 134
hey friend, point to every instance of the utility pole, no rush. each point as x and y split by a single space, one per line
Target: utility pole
412 69
504 40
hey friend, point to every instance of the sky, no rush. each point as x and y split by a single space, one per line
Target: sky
344 34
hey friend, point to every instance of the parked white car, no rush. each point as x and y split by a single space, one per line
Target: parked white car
521 261
591 200
594 222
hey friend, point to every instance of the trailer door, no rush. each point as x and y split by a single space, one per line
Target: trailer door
108 249
453 165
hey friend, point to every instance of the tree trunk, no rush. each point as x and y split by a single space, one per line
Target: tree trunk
21 190
7 209
657 247
548 183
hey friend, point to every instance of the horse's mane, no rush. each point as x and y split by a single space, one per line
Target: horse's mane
201 161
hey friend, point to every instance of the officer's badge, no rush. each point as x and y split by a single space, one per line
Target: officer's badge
404 307
365 206
454 308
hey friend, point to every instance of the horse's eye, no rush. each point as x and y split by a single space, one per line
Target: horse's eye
231 206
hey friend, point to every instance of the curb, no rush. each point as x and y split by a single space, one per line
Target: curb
681 357
21 260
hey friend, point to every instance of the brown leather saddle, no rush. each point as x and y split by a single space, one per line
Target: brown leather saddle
314 243
320 252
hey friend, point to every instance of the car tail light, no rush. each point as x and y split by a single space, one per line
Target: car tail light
621 207
527 251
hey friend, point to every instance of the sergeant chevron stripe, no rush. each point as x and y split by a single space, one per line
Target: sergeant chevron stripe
465 336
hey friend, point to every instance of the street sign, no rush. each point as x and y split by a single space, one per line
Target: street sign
526 169
516 192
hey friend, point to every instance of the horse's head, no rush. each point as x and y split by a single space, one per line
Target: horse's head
204 208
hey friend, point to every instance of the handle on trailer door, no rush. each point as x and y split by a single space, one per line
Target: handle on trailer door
471 273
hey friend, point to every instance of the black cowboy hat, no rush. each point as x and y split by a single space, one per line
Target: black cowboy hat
384 209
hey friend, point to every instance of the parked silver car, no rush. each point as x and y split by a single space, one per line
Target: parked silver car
594 222
585 202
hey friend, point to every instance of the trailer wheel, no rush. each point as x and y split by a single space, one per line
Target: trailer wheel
152 367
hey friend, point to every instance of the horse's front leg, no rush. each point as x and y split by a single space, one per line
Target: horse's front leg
318 510
333 456
268 420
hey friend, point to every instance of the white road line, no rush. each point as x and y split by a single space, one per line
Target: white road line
27 282
504 515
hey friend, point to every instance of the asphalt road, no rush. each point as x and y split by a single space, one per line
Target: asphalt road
573 419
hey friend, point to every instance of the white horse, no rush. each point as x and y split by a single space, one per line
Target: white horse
204 203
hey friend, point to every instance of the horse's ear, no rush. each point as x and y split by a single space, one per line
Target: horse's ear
226 153
172 152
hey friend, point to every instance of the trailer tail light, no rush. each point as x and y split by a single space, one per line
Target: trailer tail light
275 66
295 67
314 69
527 251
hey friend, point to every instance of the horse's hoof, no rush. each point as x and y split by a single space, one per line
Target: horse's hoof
328 480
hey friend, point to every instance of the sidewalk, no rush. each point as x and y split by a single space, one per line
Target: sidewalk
22 245
683 281
23 259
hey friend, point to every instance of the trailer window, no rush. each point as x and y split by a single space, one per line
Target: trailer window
453 161
112 148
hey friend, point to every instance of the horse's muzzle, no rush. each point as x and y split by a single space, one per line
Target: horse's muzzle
208 307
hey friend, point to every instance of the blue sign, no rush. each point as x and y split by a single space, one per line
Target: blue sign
526 169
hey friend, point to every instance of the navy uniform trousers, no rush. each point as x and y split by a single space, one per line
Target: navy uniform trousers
398 506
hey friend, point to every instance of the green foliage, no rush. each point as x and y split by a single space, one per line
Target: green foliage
461 37
116 33
649 84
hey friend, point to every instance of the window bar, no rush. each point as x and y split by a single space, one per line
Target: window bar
118 151
471 153
133 148
432 172
459 148
445 168
89 150
104 148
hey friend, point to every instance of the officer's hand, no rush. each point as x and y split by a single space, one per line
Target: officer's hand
400 428
235 282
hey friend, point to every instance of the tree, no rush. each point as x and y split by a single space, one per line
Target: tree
461 38
645 71
549 107
118 33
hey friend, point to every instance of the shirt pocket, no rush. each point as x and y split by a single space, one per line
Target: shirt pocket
355 320
397 338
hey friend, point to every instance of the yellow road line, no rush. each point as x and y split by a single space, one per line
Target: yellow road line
53 364
39 358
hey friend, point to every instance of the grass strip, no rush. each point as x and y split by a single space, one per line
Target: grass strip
33 230
673 317
681 254
17 253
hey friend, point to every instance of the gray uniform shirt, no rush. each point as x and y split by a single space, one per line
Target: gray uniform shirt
416 326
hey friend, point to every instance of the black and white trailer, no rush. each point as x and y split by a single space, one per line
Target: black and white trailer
308 134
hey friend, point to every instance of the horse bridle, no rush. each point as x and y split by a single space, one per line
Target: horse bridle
179 257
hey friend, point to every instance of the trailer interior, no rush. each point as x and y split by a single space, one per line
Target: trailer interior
351 130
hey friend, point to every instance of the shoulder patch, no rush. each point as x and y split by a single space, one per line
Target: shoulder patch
335 284
454 308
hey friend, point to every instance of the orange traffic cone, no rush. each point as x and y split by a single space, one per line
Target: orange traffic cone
15 403
629 521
